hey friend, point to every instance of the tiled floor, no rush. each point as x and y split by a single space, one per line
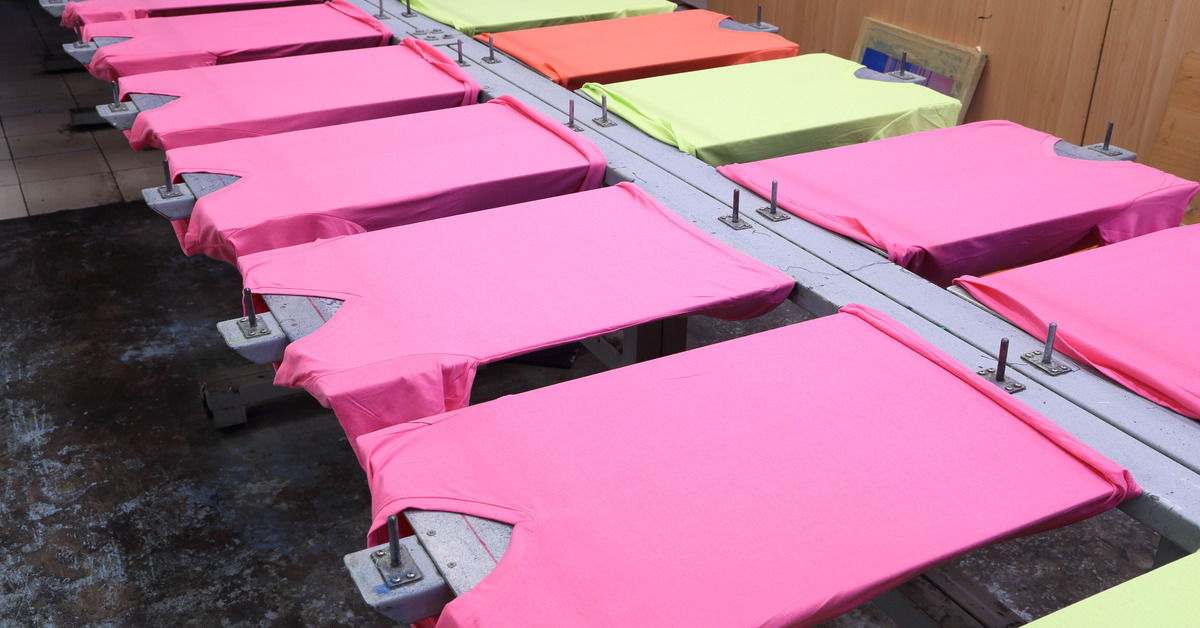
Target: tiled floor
46 165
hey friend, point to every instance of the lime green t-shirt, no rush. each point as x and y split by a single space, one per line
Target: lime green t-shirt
769 109
495 16
1168 597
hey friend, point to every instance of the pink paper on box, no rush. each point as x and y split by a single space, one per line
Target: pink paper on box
338 180
428 303
228 102
193 41
970 200
1129 310
832 459
89 11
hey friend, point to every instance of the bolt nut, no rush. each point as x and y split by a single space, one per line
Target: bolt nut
381 552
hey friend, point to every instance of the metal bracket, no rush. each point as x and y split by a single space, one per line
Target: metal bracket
601 122
169 192
1054 367
778 216
1010 385
394 577
1111 152
737 225
259 329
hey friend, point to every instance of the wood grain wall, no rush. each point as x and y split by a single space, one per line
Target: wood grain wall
1043 55
1138 68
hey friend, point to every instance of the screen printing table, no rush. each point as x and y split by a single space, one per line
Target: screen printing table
831 271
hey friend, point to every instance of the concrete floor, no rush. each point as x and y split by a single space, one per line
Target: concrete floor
120 505
45 165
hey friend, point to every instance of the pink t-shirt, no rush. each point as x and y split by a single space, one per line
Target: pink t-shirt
426 304
193 41
226 102
970 200
1129 310
775 480
338 180
89 11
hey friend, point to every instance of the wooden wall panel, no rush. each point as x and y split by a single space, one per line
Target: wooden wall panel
1138 69
1042 54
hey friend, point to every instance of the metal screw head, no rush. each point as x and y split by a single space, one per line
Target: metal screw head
452 565
381 552
397 579
431 532
410 575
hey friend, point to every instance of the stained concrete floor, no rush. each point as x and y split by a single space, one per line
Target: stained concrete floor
121 505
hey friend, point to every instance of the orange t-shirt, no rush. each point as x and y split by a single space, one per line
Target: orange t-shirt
638 47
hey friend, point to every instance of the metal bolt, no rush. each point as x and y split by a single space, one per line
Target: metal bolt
491 50
397 579
393 525
460 58
604 108
774 197
410 575
1108 135
380 15
1002 360
903 63
381 552
170 186
737 202
759 18
248 304
1048 353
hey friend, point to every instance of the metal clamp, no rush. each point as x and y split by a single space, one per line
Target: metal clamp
404 572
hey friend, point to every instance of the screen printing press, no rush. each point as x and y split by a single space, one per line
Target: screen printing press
75 13
1168 504
255 194
180 108
112 50
831 272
